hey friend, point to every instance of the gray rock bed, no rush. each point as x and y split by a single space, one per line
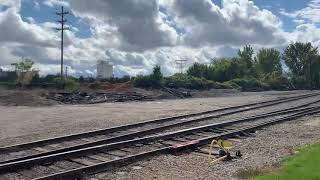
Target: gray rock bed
264 151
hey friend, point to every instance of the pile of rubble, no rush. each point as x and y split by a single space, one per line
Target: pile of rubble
93 98
179 93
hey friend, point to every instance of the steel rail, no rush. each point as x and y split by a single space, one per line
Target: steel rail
81 152
161 120
87 170
158 129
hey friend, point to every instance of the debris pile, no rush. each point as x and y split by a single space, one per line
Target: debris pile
180 93
93 98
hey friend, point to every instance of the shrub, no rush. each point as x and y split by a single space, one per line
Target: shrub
69 84
233 85
251 84
277 81
299 82
154 80
190 82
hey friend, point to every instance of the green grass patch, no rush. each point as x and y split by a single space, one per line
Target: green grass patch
303 165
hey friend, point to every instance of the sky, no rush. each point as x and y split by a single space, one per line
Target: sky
136 35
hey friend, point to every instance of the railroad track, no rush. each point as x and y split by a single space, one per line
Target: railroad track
76 141
71 163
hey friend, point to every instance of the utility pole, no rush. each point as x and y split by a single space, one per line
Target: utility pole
66 71
62 21
310 74
181 63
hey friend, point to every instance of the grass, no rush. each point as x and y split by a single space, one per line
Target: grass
249 173
305 165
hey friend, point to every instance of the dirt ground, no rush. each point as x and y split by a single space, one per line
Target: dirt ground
26 123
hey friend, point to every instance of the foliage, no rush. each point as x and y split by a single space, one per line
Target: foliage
299 82
226 69
246 59
297 57
303 165
233 85
24 71
277 81
304 63
221 70
201 71
25 65
116 79
154 80
267 61
69 83
251 84
190 82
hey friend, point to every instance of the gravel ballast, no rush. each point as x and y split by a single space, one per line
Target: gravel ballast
264 151
23 124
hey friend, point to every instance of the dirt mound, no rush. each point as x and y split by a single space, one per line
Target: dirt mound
24 98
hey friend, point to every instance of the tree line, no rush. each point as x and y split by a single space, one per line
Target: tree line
297 67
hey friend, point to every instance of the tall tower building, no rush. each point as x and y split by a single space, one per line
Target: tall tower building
104 70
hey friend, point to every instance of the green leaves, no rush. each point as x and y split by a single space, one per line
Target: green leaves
25 65
297 57
268 61
24 71
154 80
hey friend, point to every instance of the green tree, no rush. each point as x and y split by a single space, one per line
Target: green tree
297 57
201 71
24 71
25 65
156 77
154 80
81 79
246 58
302 60
268 61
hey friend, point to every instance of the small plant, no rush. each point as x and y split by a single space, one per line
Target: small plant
24 72
69 84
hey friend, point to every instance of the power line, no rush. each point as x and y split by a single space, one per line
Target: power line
181 63
62 21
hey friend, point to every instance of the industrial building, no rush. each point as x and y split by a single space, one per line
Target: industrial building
104 70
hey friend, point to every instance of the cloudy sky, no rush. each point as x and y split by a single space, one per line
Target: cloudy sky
135 35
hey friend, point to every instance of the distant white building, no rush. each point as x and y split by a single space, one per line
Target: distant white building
104 70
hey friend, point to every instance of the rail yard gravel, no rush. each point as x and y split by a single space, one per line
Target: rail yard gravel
262 152
22 124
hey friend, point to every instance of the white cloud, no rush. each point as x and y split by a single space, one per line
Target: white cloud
52 3
136 35
309 13
15 4
137 28
238 22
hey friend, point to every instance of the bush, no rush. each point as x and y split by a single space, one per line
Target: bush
190 82
251 84
233 85
276 81
154 80
299 82
69 84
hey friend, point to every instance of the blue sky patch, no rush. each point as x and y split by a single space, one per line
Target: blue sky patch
45 13
3 8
